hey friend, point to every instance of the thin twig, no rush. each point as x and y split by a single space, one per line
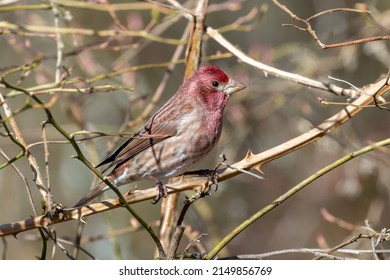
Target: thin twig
314 251
312 32
25 183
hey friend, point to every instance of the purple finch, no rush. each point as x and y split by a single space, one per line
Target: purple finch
177 136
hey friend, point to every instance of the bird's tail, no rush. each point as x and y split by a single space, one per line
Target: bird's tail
92 194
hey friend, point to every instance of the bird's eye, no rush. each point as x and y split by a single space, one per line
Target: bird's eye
215 84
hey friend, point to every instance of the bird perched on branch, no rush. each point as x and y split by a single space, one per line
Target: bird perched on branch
177 136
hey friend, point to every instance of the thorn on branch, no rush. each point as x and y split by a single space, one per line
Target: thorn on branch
240 169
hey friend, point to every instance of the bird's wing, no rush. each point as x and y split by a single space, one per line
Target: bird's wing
162 125
146 137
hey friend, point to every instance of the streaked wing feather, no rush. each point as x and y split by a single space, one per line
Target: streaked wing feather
143 139
162 125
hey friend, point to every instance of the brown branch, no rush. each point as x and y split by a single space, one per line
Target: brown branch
339 222
195 39
312 32
346 243
251 161
174 243
330 11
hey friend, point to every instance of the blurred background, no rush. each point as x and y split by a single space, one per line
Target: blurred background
269 112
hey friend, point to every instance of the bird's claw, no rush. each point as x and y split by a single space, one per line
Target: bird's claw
213 178
162 192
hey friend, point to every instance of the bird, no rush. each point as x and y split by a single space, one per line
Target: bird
177 136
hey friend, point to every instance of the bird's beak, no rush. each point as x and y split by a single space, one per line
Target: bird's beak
233 87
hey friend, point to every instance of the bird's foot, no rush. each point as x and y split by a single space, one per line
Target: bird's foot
162 192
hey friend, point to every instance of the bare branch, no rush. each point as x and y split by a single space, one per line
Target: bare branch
312 32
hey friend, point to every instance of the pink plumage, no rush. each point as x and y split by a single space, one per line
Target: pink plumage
177 136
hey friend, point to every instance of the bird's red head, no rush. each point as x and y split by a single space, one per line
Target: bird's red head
214 72
213 86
